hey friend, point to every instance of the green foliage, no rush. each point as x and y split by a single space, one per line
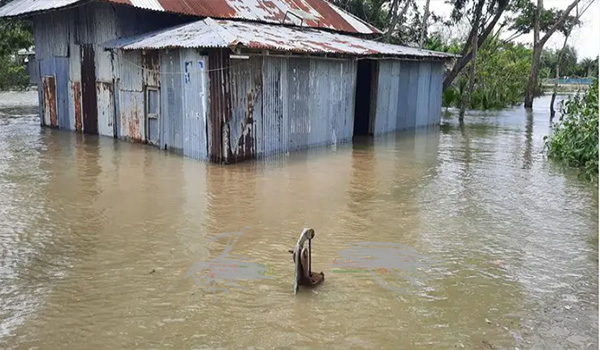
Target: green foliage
500 79
575 137
569 66
12 75
525 13
14 35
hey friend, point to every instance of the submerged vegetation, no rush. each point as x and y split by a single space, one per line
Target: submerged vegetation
575 137
499 81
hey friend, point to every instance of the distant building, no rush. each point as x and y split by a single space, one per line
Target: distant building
225 80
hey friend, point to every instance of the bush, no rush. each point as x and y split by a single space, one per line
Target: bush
575 137
12 75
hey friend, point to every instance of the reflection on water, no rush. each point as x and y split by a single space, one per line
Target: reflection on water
97 236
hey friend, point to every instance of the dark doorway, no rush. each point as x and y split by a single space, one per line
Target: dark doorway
88 90
362 107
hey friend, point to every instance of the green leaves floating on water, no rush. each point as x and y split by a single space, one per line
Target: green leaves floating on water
575 137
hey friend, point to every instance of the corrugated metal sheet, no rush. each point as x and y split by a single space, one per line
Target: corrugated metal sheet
171 123
423 94
75 106
58 68
312 13
106 108
49 93
195 103
210 33
131 104
220 105
306 103
408 95
272 132
435 93
246 107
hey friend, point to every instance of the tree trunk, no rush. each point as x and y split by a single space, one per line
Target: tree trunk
538 46
424 24
466 101
558 63
533 76
393 19
466 56
552 111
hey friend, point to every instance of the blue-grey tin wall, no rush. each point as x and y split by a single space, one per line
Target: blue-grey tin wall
408 95
171 136
184 102
423 96
306 103
58 67
194 83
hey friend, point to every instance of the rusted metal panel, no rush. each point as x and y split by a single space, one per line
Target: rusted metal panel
51 35
88 90
210 33
132 126
246 107
220 106
106 108
151 68
131 71
195 103
171 125
49 88
311 13
76 103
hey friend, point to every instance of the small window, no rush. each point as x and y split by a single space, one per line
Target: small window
152 107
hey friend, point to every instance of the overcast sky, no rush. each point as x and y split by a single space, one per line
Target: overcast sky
585 39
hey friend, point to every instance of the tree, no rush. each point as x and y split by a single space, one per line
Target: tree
539 21
494 11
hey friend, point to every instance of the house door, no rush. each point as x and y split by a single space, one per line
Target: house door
88 87
366 70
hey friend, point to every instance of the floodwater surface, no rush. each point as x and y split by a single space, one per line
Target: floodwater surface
110 245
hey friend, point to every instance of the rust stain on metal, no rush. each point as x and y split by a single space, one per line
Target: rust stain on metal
151 65
220 105
49 88
76 86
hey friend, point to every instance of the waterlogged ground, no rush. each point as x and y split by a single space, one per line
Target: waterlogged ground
481 243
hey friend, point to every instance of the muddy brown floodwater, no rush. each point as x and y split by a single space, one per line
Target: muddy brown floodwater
97 237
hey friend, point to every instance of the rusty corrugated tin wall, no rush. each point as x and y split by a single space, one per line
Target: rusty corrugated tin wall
88 78
409 95
246 107
220 105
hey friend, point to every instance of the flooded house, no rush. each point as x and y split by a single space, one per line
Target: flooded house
225 80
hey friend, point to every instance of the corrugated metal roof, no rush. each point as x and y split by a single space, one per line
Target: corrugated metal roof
311 13
20 7
211 33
